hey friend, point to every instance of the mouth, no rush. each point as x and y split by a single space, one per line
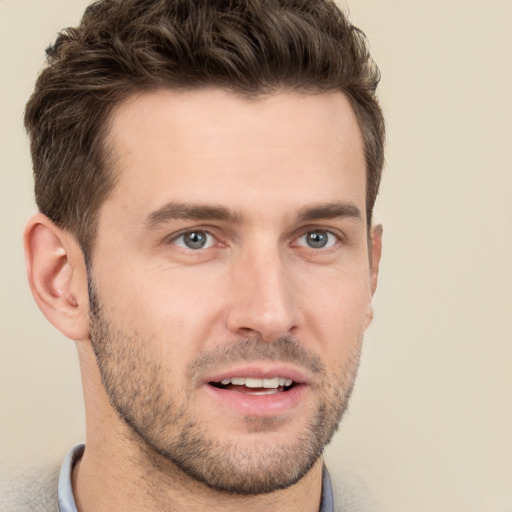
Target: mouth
255 386
259 390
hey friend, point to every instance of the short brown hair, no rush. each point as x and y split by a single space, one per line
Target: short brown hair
126 46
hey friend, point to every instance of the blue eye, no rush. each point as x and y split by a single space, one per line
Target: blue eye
195 240
319 239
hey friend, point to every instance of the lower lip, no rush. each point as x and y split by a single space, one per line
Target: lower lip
259 405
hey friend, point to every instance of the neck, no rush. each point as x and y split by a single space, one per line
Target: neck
111 480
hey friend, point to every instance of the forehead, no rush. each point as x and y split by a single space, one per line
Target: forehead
211 114
192 144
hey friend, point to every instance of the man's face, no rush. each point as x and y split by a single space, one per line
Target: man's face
230 282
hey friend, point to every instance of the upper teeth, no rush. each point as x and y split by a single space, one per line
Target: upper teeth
272 383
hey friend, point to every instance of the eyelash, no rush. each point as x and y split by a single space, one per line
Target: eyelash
210 239
190 232
335 238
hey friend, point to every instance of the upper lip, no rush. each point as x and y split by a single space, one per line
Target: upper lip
262 371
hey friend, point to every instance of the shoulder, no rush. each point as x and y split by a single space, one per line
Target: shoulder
351 493
33 490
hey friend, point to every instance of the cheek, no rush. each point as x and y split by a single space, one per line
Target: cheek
337 318
177 310
341 304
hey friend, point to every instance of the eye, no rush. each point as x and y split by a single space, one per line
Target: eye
195 240
318 239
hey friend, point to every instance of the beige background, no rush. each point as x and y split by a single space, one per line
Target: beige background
430 424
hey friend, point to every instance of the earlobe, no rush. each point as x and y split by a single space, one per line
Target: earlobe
57 276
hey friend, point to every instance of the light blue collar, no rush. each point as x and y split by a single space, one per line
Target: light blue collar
66 498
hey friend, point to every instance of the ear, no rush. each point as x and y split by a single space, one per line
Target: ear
376 254
376 251
57 276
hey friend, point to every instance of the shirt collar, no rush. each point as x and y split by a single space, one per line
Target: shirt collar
66 498
327 503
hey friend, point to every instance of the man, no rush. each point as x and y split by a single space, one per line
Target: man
206 174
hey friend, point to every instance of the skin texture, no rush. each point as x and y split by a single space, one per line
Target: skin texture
261 180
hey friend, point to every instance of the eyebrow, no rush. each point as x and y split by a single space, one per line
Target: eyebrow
180 211
329 211
173 211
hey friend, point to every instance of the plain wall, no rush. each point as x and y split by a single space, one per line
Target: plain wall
430 423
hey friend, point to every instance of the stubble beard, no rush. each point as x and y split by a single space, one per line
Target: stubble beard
169 435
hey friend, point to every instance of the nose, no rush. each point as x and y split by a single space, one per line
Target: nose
263 299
